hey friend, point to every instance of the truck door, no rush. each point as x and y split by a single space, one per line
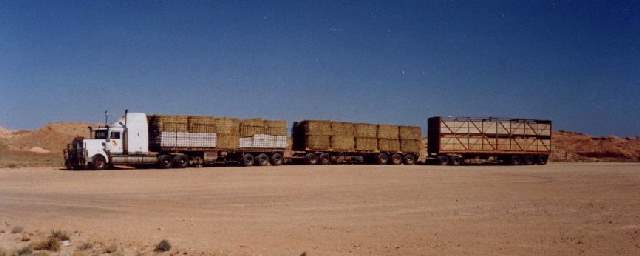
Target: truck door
114 144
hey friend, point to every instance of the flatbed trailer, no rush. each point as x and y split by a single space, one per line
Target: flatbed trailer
331 142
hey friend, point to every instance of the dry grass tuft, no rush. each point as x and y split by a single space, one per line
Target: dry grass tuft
49 244
163 246
59 235
24 251
85 246
111 248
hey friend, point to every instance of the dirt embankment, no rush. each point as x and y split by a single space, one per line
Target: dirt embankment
39 147
575 147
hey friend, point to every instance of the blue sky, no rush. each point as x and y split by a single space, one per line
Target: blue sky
574 62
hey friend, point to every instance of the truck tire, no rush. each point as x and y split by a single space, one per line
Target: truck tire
165 162
247 159
98 162
311 158
382 159
456 160
181 161
443 160
409 159
541 160
262 159
277 159
396 159
529 160
324 159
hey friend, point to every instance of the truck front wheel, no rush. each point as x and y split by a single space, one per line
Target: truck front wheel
99 163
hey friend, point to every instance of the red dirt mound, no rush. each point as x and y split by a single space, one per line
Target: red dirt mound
574 146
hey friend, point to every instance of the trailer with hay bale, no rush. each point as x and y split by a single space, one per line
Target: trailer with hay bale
333 142
179 141
465 140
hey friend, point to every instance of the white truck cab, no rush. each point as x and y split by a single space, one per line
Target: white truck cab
127 136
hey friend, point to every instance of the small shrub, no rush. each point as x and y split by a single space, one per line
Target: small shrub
163 246
85 246
59 235
50 244
24 251
17 229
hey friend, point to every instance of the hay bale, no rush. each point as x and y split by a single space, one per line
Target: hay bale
386 131
342 142
342 129
389 145
201 124
276 127
316 127
366 144
365 130
318 142
168 123
229 126
410 146
228 141
410 133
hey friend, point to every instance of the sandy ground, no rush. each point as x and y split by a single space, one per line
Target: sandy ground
559 209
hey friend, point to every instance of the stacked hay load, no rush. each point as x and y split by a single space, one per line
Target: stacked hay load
312 135
410 139
388 137
167 131
228 131
366 137
260 133
342 136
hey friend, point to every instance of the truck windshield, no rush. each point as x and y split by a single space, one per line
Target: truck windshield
100 134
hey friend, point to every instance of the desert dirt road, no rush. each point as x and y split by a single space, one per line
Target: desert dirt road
558 209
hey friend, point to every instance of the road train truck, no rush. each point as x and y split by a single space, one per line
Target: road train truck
515 141
175 141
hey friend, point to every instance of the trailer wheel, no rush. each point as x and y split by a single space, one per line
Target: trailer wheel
409 159
516 161
311 158
98 162
277 159
324 159
165 162
382 158
262 159
541 160
396 159
181 161
247 159
455 160
529 160
443 160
